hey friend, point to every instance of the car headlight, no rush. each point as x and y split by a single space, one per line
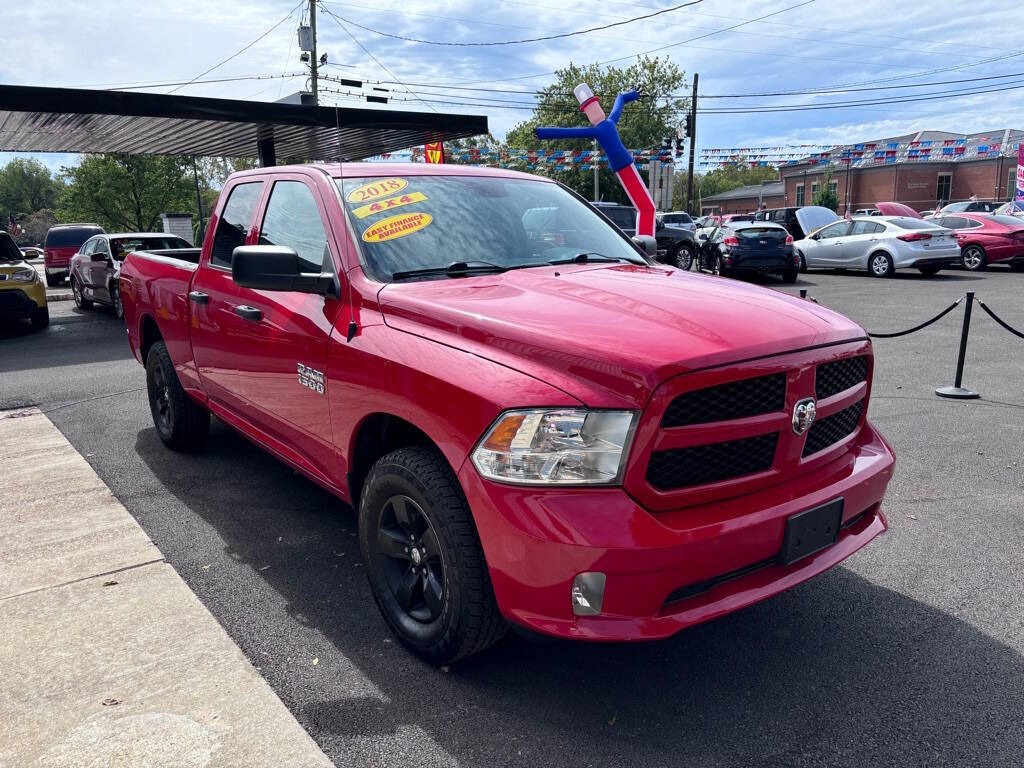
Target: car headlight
24 276
556 447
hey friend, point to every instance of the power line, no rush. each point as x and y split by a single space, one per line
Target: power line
241 51
236 78
558 36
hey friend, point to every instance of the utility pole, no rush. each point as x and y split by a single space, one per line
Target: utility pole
693 142
313 61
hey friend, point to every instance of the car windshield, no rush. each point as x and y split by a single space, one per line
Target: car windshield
8 249
905 222
70 237
431 222
120 246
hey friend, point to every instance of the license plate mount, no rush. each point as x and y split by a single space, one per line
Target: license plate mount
811 531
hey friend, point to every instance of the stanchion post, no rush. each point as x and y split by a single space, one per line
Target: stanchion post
803 293
957 391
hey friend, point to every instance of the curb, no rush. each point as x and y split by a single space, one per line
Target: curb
64 296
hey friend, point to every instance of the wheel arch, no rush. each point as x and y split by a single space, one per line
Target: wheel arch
378 434
149 334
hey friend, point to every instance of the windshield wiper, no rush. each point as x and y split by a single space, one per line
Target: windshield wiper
587 257
455 269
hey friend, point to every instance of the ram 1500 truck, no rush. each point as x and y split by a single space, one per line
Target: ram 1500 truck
537 424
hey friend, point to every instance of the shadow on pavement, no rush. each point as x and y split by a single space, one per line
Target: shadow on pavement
839 671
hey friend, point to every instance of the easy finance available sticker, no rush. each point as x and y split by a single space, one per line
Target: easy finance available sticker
396 226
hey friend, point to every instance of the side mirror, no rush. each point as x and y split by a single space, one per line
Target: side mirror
659 225
97 256
275 268
646 243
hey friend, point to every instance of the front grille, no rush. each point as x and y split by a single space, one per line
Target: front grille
699 464
831 429
735 400
833 378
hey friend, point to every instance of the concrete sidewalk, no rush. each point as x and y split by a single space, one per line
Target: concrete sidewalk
108 658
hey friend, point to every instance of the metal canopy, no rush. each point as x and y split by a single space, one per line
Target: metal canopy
78 120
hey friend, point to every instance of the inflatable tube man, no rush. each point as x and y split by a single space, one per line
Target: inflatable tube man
605 130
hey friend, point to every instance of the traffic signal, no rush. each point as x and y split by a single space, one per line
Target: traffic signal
688 126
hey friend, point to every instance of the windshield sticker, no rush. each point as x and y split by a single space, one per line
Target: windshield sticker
392 202
382 188
396 226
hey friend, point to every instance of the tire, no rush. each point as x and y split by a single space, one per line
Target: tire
973 258
803 262
41 318
76 291
115 301
447 610
682 257
181 423
880 265
929 270
1017 266
789 275
54 280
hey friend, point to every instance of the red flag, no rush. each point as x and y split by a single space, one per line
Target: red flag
434 152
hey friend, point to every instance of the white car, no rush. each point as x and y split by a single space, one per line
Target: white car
680 219
880 245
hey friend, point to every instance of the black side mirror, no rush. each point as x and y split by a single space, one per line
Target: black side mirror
659 225
276 268
646 243
98 256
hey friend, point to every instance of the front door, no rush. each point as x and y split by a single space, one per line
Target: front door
283 337
829 252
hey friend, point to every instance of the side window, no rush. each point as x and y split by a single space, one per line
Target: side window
779 215
87 248
234 222
861 228
833 230
100 246
955 222
969 223
293 219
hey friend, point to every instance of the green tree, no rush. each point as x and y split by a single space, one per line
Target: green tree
127 192
644 123
721 180
26 186
34 226
826 196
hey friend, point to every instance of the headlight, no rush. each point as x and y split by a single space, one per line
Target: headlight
24 276
556 447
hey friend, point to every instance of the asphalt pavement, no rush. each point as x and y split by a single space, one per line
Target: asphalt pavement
908 654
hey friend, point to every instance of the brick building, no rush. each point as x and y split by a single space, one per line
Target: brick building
771 194
917 169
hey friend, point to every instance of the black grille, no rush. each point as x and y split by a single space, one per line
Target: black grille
833 378
735 400
696 465
832 429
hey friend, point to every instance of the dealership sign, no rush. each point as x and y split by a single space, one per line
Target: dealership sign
1020 173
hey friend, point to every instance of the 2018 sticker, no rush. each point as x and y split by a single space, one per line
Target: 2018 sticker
376 189
392 202
396 226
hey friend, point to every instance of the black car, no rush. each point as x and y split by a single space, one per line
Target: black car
750 246
676 246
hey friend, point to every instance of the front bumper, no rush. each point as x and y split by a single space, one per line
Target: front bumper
22 301
536 542
65 270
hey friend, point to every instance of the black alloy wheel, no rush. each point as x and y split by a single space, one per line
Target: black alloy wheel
411 560
160 401
76 291
181 423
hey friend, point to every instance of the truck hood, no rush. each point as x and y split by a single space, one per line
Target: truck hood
609 335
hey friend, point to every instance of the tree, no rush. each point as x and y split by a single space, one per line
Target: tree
826 196
722 180
644 123
126 192
26 186
34 226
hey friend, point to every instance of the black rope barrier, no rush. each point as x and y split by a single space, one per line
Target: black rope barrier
1000 320
925 324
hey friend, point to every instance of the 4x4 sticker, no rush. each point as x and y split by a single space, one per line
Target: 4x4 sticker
380 188
392 202
396 226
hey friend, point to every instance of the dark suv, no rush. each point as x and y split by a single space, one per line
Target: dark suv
676 246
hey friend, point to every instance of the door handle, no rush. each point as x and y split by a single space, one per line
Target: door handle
197 297
249 313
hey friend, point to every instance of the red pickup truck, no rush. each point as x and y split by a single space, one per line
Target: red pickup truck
537 423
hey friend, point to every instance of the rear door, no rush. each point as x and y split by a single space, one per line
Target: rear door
98 264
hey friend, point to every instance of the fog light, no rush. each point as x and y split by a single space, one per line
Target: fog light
588 593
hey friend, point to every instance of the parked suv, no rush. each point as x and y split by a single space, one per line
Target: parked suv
676 245
22 293
62 242
680 219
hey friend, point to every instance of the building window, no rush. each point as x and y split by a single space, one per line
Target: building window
833 187
814 190
1011 184
800 195
944 188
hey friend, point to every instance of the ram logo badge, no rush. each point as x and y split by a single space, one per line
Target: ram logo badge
312 378
803 415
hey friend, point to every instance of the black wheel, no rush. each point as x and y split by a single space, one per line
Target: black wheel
115 299
718 268
929 269
880 265
682 257
1017 266
54 280
180 422
76 290
423 557
41 318
974 258
789 275
803 261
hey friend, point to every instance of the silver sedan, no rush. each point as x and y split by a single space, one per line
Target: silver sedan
880 245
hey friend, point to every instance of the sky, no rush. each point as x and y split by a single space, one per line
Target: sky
742 48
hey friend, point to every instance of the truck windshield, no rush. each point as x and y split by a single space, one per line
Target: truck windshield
411 223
